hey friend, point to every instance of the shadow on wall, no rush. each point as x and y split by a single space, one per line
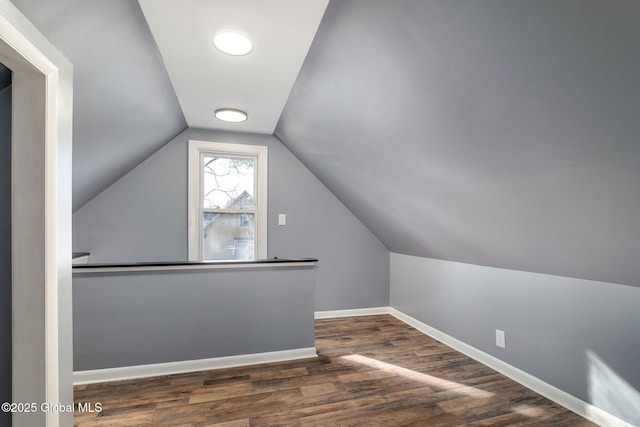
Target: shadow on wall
611 393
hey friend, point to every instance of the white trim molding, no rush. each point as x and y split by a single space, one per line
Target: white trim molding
194 226
352 312
543 388
41 126
171 368
552 393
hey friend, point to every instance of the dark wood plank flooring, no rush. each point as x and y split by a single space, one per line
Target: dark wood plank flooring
371 371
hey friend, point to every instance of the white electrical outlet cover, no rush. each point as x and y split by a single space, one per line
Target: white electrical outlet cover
500 339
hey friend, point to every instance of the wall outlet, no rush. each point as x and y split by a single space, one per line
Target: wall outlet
282 219
501 341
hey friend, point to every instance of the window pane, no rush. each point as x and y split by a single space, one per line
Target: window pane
227 236
228 182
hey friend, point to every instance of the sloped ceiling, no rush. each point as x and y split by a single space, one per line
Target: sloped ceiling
124 105
206 79
494 132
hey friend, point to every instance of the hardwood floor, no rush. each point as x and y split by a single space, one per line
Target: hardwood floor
371 371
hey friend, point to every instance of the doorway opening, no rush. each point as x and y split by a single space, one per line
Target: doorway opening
40 220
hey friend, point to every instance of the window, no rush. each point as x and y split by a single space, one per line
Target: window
227 201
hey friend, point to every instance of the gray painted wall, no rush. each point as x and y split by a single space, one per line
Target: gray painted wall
138 318
494 132
580 336
5 252
124 105
143 217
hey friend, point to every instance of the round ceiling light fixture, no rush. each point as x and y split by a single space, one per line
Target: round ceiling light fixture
230 115
233 43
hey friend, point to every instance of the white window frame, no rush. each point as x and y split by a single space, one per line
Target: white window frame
196 149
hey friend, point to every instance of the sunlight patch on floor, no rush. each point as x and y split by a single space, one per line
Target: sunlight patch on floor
534 411
426 379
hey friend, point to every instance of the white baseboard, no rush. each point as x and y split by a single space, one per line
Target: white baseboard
352 312
545 389
170 368
558 396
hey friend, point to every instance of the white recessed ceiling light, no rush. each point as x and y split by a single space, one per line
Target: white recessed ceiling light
230 115
232 43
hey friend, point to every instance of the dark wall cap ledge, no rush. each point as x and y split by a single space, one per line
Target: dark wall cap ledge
195 265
